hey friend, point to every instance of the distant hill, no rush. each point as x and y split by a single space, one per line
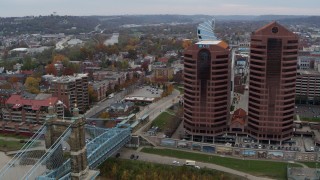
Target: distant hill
86 24
48 24
314 20
277 17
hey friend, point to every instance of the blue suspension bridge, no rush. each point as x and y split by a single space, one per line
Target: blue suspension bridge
65 149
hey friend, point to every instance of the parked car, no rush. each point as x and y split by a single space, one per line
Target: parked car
132 156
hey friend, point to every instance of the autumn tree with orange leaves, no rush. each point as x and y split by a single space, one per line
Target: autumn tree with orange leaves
50 69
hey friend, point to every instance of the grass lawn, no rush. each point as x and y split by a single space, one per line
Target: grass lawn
276 170
162 120
10 145
311 164
14 136
180 88
310 119
130 169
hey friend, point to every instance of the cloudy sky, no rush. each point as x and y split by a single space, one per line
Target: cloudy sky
188 7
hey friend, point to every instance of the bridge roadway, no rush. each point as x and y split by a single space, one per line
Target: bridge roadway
104 143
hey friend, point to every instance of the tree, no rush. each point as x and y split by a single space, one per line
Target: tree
171 60
32 85
112 49
93 96
5 54
145 65
116 87
186 43
6 86
28 64
170 88
125 175
13 81
51 69
114 171
132 54
68 71
58 57
104 115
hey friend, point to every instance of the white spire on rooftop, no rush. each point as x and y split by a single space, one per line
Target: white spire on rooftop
205 31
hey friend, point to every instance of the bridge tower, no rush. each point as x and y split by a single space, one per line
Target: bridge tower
78 152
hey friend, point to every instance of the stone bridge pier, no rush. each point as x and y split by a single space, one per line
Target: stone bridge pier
78 153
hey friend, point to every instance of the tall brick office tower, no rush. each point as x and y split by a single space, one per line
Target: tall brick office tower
207 89
273 68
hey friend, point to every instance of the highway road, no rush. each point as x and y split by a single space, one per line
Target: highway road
156 108
102 105
59 45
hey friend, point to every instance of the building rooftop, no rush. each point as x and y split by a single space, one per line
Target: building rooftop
274 29
66 79
18 101
209 42
307 72
97 84
8 91
20 49
218 43
42 96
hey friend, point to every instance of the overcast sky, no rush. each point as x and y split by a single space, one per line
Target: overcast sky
188 7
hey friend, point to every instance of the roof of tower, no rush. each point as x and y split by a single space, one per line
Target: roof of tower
222 44
275 29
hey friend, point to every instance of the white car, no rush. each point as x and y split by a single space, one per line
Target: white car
174 162
198 167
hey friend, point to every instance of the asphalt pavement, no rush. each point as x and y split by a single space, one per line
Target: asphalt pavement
102 105
156 108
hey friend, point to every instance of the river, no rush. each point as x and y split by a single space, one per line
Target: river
112 40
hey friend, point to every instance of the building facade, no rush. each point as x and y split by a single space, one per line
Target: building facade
307 87
101 88
162 74
207 89
72 91
25 115
273 68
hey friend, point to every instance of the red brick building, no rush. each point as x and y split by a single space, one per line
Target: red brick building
72 90
23 115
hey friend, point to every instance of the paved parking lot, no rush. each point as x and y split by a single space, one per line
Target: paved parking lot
310 111
147 91
242 100
298 144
